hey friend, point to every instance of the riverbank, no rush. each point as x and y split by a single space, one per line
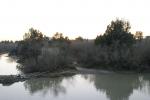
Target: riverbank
10 79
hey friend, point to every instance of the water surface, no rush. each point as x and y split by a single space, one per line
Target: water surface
78 87
7 65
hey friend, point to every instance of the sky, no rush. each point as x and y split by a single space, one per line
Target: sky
73 18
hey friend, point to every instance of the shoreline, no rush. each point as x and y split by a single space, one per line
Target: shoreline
7 80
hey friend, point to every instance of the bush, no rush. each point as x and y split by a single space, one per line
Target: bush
54 59
135 58
28 65
50 59
83 52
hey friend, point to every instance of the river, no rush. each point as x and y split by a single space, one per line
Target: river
109 86
7 65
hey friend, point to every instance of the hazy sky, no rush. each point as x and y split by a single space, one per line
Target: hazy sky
86 18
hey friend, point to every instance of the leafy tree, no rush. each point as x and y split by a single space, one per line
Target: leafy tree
117 32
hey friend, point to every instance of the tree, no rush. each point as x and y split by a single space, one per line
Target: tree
60 38
33 34
31 45
117 32
79 38
138 35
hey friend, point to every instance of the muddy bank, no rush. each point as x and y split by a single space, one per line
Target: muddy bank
10 79
92 71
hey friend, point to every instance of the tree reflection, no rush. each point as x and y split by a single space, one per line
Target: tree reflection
45 85
146 83
118 86
115 86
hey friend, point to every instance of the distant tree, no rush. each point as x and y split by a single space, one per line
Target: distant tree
33 34
116 32
60 38
138 35
79 38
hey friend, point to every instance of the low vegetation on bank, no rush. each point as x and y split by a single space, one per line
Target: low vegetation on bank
117 49
7 46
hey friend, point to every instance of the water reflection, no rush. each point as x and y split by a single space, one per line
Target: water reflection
82 87
119 86
53 86
115 86
145 84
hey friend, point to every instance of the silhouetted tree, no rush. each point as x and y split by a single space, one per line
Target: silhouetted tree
33 34
59 37
116 32
79 38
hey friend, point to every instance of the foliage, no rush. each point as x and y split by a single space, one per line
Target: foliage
115 50
7 46
50 59
135 58
33 34
31 45
60 38
37 53
116 32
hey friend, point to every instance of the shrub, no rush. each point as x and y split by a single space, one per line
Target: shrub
50 59
111 57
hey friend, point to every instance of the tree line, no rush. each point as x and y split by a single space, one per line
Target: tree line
116 49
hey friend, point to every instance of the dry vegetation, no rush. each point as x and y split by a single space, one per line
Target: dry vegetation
117 49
